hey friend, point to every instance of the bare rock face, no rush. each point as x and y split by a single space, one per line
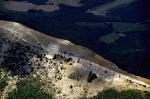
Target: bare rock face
71 69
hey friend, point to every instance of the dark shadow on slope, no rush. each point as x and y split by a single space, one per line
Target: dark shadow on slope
17 58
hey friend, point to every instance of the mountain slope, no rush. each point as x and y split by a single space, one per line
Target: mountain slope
73 71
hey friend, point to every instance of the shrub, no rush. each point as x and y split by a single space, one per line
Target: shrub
72 76
128 94
107 94
131 94
91 76
68 59
147 95
3 84
29 90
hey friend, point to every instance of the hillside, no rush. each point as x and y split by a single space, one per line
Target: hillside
73 71
104 26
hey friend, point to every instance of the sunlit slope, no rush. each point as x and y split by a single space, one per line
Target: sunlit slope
68 68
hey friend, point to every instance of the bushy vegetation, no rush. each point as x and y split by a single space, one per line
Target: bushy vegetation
3 84
3 81
91 76
72 76
128 94
29 90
